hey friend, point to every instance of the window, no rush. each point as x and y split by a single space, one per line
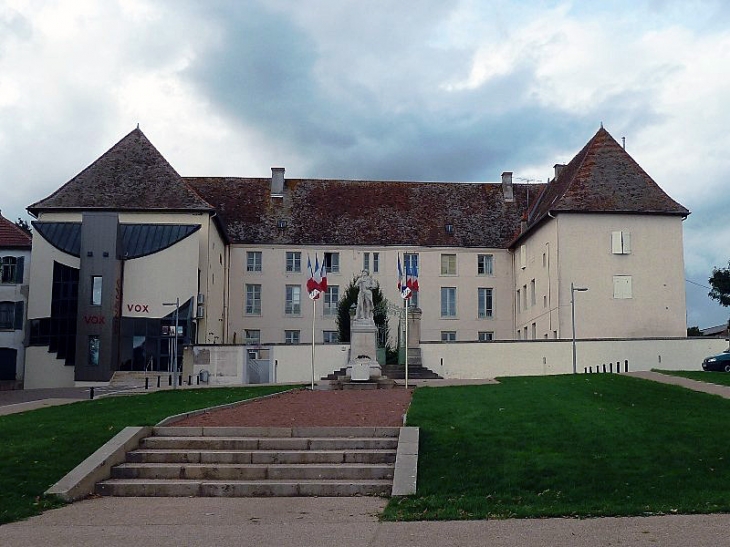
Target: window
330 337
544 260
523 257
253 299
622 287
293 304
448 264
448 301
332 262
410 262
519 334
533 292
448 336
544 301
253 261
291 336
253 337
621 243
331 297
366 261
485 265
94 346
11 269
519 301
293 261
376 262
534 331
96 282
524 296
413 300
7 315
485 302
486 336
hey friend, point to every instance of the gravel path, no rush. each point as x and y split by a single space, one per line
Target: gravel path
305 408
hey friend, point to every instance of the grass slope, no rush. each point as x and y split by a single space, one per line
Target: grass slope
40 446
584 445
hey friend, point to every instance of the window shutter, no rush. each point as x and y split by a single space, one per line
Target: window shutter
19 269
19 315
626 242
616 243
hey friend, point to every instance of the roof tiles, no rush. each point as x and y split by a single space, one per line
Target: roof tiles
13 237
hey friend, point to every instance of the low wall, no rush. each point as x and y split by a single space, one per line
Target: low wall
466 360
536 358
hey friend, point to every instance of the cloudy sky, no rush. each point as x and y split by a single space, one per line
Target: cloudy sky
417 90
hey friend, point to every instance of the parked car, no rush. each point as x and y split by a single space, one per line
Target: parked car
718 362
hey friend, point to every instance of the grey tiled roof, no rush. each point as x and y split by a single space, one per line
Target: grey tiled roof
345 212
132 175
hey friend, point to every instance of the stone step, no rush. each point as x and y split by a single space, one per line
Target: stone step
197 488
279 432
253 472
268 443
261 456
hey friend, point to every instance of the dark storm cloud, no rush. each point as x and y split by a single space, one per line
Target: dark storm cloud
265 72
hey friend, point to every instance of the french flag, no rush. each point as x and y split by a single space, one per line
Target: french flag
405 291
312 284
320 275
412 278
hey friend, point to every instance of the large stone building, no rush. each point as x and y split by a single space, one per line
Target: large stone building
128 237
15 245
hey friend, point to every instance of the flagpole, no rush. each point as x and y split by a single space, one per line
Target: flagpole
314 315
405 309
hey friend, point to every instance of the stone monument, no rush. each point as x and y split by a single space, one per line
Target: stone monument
363 363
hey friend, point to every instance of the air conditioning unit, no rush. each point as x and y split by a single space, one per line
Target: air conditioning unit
201 299
200 313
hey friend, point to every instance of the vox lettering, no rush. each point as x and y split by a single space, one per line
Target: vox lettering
138 308
94 319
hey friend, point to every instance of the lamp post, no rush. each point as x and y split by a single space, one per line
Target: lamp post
573 290
176 303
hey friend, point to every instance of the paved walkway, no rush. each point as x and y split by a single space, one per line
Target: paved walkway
340 522
705 387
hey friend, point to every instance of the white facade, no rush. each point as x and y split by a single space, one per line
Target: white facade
13 306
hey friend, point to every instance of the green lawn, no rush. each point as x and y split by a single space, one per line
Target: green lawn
720 378
41 446
584 445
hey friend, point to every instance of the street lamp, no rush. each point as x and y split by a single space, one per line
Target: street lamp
573 290
176 303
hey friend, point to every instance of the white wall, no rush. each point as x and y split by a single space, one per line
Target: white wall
12 292
44 370
488 360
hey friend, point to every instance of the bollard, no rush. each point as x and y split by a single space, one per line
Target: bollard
91 392
158 380
197 380
146 382
180 380
190 380
610 367
604 367
169 380
627 366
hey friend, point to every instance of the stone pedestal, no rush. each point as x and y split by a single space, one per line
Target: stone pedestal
414 327
363 363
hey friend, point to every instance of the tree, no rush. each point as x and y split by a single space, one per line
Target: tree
23 225
694 331
380 314
720 282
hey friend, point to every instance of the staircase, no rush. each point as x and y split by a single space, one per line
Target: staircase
416 370
258 462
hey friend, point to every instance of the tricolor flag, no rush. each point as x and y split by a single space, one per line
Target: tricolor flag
412 277
312 284
320 276
405 291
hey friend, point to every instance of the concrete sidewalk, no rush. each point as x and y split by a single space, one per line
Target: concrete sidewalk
340 522
704 387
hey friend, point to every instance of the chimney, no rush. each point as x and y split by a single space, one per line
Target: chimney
277 182
558 168
507 189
